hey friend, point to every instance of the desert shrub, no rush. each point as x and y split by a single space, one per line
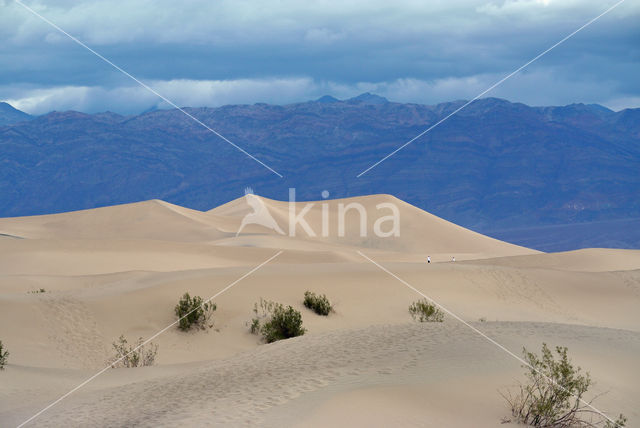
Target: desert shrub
191 311
275 322
4 355
552 397
318 304
41 290
136 355
255 326
262 311
284 323
425 311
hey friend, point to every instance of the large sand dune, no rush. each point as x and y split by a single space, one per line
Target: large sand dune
120 270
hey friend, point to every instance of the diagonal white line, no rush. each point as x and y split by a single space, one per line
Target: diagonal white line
483 335
147 341
499 82
168 101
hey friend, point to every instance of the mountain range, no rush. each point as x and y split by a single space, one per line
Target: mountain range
567 173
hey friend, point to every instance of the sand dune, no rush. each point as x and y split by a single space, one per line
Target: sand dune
407 375
120 270
421 232
587 260
153 220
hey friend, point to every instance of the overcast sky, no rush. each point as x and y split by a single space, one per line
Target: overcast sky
211 53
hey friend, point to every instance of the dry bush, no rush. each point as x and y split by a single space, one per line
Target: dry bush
136 355
261 310
4 356
425 311
552 397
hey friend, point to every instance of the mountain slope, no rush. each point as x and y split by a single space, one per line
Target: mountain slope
494 166
10 115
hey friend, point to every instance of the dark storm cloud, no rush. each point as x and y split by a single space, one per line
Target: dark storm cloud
212 53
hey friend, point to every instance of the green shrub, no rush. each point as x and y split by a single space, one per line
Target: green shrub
275 322
425 311
284 323
135 355
255 326
4 355
552 397
192 311
318 304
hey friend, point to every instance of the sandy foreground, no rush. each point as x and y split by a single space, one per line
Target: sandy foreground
121 270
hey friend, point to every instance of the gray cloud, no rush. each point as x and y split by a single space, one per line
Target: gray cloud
214 53
198 93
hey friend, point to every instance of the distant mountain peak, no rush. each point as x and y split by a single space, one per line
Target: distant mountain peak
10 115
5 107
368 98
493 101
327 99
578 111
593 108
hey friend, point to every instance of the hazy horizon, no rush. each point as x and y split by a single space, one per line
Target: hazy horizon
167 107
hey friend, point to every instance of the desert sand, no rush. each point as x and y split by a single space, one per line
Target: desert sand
121 270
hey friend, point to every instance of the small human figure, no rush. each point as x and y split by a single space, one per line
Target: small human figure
428 259
453 259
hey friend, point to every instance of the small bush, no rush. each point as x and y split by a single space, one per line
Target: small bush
4 356
128 356
255 326
275 322
42 290
262 311
318 304
284 323
191 311
553 394
425 311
